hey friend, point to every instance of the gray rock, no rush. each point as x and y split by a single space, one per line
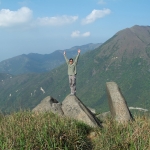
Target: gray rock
104 115
49 104
92 110
74 108
117 104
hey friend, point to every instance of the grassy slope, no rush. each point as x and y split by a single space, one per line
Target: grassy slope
28 131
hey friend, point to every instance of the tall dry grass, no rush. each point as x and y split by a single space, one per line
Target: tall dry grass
133 135
29 131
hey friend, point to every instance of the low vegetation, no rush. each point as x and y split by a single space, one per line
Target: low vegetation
133 135
25 130
28 131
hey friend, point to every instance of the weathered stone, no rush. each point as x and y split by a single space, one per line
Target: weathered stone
117 104
92 110
103 116
74 108
49 104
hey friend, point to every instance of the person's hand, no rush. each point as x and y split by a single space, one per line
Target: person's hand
64 53
78 50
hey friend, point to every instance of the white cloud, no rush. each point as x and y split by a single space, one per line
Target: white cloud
78 34
95 14
86 34
59 20
9 18
101 2
75 33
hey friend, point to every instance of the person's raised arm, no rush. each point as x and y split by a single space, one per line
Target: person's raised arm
67 61
76 60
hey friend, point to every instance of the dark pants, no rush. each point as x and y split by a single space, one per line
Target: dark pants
72 83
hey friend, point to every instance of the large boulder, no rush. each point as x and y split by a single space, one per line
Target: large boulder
117 104
74 108
49 104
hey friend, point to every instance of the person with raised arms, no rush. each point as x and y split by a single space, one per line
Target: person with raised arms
72 72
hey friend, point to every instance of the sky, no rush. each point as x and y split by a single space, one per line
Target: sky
43 26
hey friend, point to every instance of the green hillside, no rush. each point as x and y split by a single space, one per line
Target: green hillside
124 59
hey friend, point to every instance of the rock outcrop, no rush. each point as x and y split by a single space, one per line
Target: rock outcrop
49 104
117 104
74 108
71 107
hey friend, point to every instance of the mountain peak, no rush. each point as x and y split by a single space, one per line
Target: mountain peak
128 44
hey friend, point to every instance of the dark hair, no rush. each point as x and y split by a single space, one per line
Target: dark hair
70 59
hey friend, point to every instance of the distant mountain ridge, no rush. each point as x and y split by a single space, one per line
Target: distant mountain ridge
37 63
124 59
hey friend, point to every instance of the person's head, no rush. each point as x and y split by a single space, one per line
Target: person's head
70 60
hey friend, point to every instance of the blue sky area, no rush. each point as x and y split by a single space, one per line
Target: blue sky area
43 26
